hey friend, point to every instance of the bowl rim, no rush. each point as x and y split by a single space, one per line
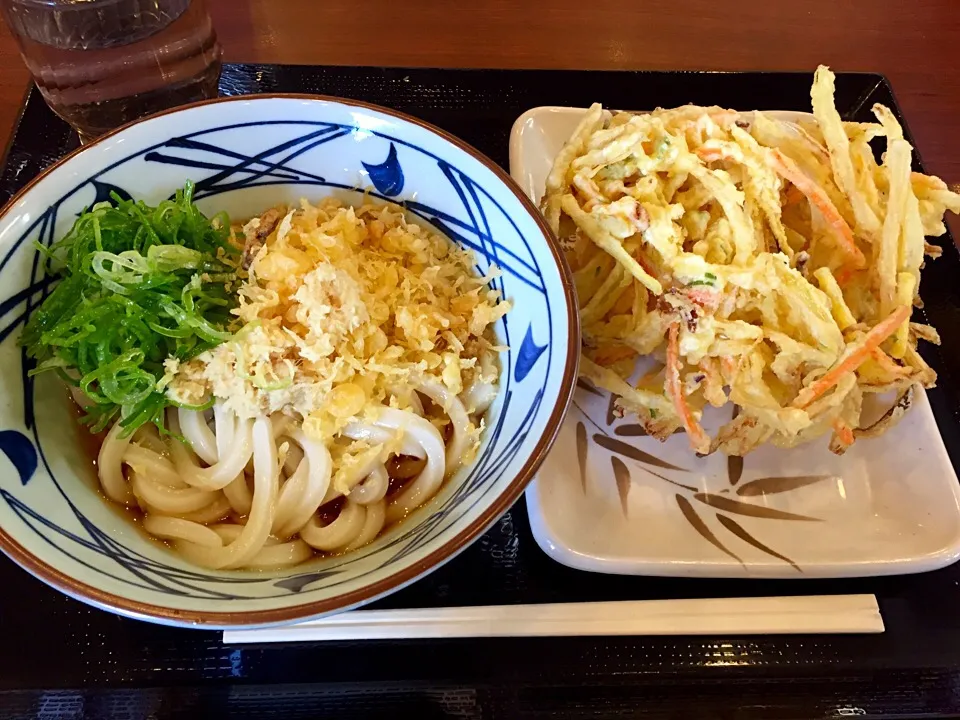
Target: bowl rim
395 581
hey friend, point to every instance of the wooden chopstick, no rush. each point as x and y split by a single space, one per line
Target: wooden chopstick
711 616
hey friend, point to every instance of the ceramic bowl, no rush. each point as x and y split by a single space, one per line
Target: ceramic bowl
245 155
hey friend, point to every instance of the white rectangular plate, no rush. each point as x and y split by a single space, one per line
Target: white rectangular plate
608 500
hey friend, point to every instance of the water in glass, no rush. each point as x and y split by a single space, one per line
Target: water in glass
101 63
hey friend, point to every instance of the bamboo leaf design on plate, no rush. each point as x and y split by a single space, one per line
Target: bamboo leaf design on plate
631 430
622 448
773 485
621 473
737 507
697 523
587 387
734 527
611 409
734 468
582 454
668 480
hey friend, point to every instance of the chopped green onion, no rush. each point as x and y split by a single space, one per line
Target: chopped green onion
137 285
661 147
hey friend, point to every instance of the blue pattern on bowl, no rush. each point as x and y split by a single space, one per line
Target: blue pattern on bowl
387 177
140 572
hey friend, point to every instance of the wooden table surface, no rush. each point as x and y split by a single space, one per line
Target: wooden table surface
914 44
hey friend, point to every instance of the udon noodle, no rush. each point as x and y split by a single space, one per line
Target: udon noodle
355 387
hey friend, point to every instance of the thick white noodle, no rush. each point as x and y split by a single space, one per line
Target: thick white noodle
228 532
362 474
82 400
407 394
223 472
202 439
171 528
191 505
239 495
217 510
425 485
254 534
225 426
478 398
372 525
237 491
148 437
153 465
355 476
282 425
451 404
340 532
110 466
373 488
294 455
416 404
366 432
376 435
290 496
169 500
319 471
281 555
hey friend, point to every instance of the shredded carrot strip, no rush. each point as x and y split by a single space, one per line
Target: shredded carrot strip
710 154
788 170
698 438
644 263
853 357
704 298
844 274
843 431
729 366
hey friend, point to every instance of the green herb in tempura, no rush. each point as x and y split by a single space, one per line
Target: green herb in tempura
138 285
708 279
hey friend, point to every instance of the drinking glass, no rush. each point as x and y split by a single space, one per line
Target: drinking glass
102 63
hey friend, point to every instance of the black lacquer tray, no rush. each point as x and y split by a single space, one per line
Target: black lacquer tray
62 659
